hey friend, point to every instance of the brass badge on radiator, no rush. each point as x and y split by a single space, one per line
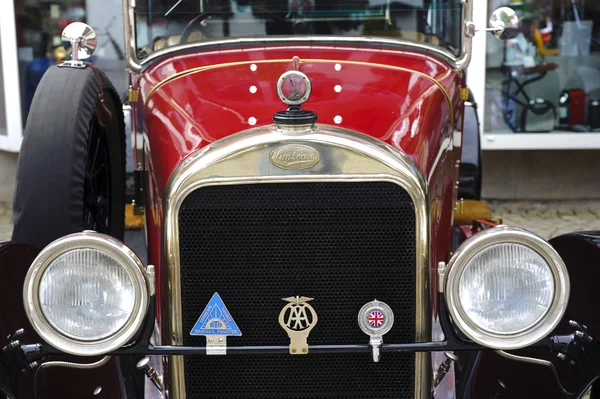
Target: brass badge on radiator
294 157
295 320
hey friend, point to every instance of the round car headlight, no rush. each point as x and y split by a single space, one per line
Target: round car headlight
86 294
506 288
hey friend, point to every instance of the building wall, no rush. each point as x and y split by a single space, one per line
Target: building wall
541 175
8 169
507 175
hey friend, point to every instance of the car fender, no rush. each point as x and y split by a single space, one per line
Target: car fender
498 376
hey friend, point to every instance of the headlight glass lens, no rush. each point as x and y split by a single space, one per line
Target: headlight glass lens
86 294
506 288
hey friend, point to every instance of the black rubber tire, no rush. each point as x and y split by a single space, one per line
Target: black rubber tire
51 175
470 177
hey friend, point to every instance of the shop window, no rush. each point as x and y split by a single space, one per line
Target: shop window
547 79
39 26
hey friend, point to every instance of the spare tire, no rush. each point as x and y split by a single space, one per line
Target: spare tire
71 169
469 186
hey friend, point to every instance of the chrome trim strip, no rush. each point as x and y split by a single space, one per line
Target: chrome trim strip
345 156
501 235
135 65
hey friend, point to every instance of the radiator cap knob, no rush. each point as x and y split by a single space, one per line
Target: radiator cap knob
294 115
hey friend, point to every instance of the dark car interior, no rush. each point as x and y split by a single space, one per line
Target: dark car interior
165 23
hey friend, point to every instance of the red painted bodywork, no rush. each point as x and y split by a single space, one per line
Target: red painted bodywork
400 107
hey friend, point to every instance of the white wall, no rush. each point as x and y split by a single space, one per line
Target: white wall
541 175
8 169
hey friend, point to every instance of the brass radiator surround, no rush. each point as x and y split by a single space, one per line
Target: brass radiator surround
243 158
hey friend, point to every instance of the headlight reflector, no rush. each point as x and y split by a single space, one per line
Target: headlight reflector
506 288
86 294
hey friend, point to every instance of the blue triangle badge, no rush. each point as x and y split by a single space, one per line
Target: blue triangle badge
215 320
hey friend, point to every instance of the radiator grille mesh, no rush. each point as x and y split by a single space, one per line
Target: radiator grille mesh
343 244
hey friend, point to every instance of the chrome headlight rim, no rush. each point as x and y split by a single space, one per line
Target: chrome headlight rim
66 342
507 235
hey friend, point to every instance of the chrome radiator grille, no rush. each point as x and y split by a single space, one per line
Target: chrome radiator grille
341 243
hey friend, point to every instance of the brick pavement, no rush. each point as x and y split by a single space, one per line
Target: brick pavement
548 218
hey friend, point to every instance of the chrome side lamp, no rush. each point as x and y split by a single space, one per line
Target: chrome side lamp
80 40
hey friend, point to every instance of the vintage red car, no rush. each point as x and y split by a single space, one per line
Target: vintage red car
298 166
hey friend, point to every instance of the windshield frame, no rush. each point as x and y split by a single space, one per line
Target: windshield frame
460 62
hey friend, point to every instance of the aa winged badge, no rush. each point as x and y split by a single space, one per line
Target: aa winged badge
216 323
298 318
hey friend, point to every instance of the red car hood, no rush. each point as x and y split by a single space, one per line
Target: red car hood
405 99
409 100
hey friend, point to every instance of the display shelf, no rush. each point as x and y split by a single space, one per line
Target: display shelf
541 141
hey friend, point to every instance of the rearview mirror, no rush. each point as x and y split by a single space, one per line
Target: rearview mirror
504 23
80 40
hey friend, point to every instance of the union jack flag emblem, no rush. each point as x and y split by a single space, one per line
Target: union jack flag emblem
376 318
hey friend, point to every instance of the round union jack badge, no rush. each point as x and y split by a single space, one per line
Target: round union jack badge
375 318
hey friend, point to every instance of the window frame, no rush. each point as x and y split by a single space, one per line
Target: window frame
10 80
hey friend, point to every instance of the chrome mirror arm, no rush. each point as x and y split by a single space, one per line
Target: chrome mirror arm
504 24
471 29
75 47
